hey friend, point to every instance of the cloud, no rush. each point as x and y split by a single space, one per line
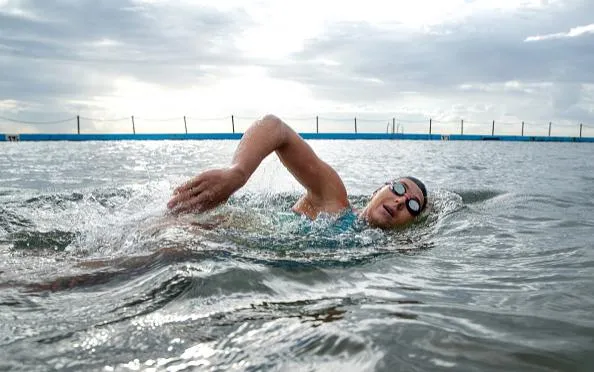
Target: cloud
481 56
502 60
59 49
574 32
485 49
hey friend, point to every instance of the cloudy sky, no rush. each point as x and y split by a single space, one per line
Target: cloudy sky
481 60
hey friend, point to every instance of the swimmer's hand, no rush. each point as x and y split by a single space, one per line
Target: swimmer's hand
207 190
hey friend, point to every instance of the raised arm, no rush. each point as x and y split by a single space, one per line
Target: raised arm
325 191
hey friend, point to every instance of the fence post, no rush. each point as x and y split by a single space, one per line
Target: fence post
430 122
317 124
393 125
522 129
233 123
493 128
78 124
581 130
355 124
133 125
185 124
550 128
462 126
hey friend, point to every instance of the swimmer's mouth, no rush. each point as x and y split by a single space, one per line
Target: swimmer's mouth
389 210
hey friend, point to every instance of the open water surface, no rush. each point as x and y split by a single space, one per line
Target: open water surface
96 275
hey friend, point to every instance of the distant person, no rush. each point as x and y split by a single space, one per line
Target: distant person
396 203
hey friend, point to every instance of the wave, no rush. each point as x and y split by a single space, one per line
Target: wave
478 196
54 240
97 219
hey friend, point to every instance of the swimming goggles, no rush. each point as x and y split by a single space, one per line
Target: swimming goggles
412 203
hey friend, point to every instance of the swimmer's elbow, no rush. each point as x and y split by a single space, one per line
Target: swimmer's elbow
273 122
272 118
276 128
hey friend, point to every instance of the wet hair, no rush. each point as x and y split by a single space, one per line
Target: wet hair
421 185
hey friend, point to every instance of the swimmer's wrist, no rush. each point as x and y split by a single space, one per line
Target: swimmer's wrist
239 175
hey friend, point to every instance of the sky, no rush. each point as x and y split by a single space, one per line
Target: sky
381 62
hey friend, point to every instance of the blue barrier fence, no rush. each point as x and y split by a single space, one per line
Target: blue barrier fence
392 129
309 136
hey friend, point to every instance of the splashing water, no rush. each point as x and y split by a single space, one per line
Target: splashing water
95 274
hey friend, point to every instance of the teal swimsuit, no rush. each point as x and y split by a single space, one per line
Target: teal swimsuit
326 223
346 221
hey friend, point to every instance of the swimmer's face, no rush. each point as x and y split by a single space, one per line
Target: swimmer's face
388 210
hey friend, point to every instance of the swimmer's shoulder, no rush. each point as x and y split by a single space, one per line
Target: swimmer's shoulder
313 208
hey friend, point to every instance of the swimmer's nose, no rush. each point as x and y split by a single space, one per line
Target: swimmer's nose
400 202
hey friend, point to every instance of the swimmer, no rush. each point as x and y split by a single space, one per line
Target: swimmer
396 203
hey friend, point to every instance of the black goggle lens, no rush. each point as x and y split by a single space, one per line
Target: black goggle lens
398 188
412 204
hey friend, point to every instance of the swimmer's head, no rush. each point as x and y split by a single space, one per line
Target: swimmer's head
397 203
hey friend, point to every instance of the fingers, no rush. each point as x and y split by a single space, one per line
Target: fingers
193 183
189 205
199 203
185 194
201 193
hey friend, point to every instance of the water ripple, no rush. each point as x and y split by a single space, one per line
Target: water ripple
96 275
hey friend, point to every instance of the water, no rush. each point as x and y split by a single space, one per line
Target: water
95 275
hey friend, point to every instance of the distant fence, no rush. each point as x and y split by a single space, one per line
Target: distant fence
319 136
357 125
